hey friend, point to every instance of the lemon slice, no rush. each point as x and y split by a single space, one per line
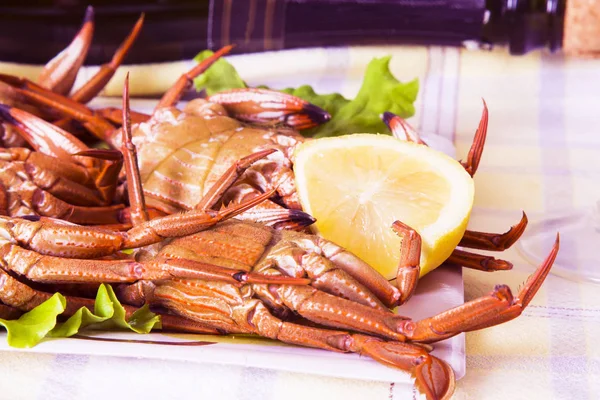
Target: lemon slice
356 186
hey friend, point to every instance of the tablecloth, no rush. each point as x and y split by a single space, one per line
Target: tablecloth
542 154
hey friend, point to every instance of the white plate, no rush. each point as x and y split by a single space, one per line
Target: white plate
438 291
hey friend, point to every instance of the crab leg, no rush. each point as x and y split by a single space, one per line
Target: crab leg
230 176
41 135
408 266
267 212
494 241
278 218
22 298
324 274
115 115
476 150
263 105
60 73
222 307
361 271
56 105
47 236
92 87
51 140
172 96
400 128
24 198
497 307
49 269
60 177
135 191
477 261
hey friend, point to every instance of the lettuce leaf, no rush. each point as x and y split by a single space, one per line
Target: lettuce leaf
220 76
380 92
35 325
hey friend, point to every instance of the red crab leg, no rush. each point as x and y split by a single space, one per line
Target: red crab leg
23 298
115 115
497 307
92 87
103 165
60 73
293 260
192 221
401 128
433 377
41 135
230 176
69 181
278 218
49 269
41 161
60 105
410 256
172 96
275 217
479 262
494 241
476 150
24 198
263 105
137 202
53 141
48 205
108 164
361 271
48 236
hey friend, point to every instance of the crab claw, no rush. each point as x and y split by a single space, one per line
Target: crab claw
60 72
400 128
433 377
279 218
263 105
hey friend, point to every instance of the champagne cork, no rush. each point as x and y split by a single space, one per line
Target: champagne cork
581 35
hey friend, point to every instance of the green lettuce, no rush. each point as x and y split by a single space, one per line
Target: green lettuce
220 76
380 92
41 322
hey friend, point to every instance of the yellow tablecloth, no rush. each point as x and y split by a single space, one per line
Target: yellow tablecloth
542 154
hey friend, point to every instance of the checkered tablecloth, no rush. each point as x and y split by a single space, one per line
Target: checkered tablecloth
542 154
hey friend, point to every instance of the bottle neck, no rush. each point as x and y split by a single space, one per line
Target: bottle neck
525 25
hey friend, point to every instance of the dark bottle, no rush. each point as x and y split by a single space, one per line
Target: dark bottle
179 29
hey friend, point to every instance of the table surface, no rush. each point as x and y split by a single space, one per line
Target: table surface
542 155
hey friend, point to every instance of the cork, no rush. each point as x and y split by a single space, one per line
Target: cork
582 28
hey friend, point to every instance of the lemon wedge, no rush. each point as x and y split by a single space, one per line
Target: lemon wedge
357 185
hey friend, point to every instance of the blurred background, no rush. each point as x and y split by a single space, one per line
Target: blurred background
34 31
